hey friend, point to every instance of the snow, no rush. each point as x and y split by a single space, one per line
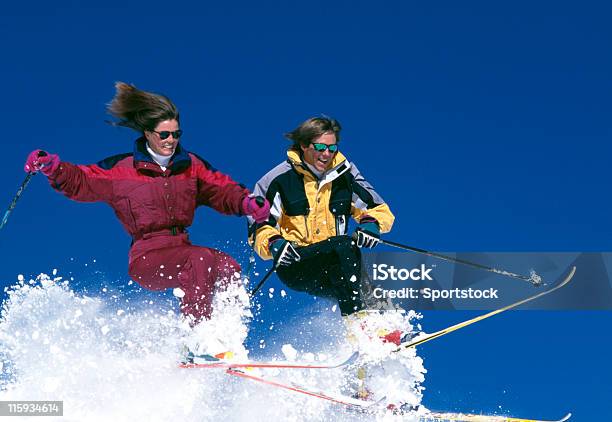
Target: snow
289 352
534 277
112 360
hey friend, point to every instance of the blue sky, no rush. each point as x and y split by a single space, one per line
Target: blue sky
485 126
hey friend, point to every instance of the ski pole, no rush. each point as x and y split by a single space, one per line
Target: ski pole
18 194
533 278
16 198
263 280
260 201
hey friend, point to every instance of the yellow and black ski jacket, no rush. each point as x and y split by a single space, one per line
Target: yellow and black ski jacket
306 209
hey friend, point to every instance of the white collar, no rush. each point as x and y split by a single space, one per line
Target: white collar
162 160
331 174
314 170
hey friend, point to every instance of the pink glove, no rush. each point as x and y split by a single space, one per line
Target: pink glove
257 207
39 160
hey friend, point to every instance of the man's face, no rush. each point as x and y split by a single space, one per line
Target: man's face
321 160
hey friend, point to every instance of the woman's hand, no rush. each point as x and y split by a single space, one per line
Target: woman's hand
257 207
40 160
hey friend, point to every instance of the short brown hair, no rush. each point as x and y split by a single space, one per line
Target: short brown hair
140 110
311 129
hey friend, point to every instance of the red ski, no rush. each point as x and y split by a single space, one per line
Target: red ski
226 364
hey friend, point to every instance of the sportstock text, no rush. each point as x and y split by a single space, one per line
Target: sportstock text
385 272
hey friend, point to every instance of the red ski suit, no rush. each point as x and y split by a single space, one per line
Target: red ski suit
155 207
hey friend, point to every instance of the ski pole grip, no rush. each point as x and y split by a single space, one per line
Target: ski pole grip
260 201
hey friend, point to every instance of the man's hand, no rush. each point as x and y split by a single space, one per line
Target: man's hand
367 235
284 253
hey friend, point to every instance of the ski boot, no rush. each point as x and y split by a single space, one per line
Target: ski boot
189 356
364 326
375 335
397 337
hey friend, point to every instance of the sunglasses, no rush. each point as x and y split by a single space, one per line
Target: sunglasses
322 147
165 134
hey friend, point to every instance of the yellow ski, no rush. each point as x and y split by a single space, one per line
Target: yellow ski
466 417
428 337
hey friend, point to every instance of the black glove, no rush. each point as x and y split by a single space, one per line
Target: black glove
284 253
367 235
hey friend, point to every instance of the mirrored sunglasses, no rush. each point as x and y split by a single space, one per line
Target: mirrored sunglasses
322 147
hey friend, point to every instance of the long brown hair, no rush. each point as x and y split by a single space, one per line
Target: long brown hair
140 110
311 129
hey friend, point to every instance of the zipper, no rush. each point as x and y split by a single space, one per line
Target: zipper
306 225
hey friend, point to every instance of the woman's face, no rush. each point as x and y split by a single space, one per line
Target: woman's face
167 129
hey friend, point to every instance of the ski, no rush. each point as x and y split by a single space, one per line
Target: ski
370 404
428 337
310 391
220 363
236 369
466 417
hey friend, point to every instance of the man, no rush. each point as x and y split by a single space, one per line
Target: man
312 195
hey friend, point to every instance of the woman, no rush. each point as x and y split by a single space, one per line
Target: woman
154 192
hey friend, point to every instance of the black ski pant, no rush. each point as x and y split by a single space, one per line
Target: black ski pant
331 268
